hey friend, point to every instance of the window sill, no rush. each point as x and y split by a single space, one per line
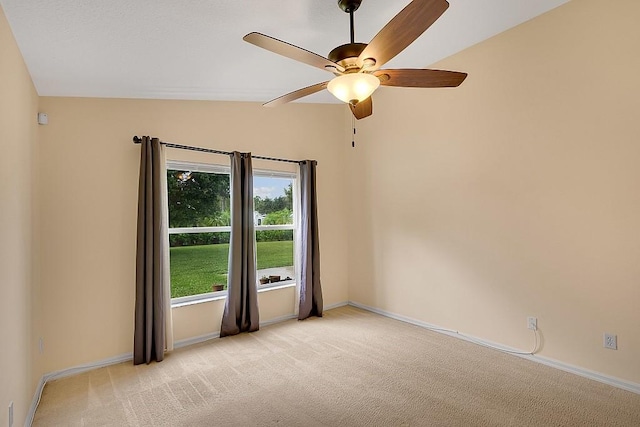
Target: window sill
216 296
276 285
212 296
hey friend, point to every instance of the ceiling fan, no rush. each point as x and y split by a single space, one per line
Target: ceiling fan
356 66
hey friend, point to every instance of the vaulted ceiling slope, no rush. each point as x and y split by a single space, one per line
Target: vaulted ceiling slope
193 49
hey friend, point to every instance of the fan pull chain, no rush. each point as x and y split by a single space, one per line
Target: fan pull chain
353 137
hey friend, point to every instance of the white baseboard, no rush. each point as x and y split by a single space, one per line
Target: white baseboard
34 403
88 367
66 373
335 305
586 373
278 320
196 340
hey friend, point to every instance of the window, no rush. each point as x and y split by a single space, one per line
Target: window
199 229
275 226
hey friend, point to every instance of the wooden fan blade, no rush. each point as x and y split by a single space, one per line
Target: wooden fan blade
420 78
291 51
362 109
402 30
296 94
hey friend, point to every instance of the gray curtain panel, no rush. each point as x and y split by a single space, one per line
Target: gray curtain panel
310 288
241 305
149 333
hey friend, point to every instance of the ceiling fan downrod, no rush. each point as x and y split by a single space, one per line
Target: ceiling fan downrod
350 6
346 54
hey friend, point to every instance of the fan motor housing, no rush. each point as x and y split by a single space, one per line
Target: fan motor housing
346 54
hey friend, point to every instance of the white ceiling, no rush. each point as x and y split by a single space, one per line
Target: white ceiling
193 49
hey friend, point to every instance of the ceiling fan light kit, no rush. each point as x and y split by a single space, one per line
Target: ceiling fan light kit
356 66
353 88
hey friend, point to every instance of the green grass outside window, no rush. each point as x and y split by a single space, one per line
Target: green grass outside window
194 269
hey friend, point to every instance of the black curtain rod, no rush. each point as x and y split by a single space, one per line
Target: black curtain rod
138 140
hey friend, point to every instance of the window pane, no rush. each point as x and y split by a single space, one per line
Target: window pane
274 254
197 199
199 261
272 200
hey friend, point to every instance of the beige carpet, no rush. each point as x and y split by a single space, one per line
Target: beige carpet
350 368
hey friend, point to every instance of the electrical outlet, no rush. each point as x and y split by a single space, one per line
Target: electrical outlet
532 323
11 414
610 341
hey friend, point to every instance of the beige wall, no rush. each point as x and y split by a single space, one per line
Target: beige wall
514 195
88 205
18 109
200 320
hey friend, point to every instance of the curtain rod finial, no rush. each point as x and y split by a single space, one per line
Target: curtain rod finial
137 139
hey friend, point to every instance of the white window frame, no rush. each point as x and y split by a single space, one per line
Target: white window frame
294 178
220 169
207 168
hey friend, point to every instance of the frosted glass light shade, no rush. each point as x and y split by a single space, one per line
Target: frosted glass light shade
353 87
